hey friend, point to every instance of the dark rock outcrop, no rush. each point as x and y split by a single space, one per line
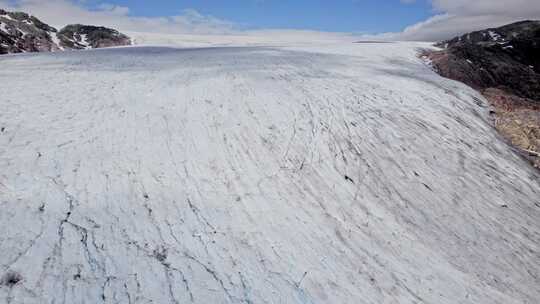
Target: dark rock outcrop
507 58
504 65
20 32
77 36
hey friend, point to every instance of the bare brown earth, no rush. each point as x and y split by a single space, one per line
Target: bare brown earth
503 64
516 118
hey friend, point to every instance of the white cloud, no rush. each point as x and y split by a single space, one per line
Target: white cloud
508 8
114 9
62 12
189 21
456 17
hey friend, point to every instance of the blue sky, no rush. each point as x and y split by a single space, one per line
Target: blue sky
372 16
420 20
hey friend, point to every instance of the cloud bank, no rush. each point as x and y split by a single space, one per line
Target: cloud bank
62 12
163 30
455 17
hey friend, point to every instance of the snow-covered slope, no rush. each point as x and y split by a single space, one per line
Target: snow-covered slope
245 38
333 174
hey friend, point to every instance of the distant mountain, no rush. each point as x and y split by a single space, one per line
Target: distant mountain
20 32
504 64
506 57
77 36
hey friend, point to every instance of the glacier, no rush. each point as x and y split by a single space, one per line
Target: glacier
324 173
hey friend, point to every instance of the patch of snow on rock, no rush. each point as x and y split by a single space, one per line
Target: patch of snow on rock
494 36
84 41
56 40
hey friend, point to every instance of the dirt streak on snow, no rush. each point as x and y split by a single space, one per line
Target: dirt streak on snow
321 174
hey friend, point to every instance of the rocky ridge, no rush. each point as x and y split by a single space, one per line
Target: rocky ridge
503 64
21 33
78 36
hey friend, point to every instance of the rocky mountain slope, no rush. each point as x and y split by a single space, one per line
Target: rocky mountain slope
77 36
20 32
504 64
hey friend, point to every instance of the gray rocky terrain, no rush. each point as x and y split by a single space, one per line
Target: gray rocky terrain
78 36
22 33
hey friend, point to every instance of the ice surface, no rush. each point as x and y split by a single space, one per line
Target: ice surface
260 38
348 173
